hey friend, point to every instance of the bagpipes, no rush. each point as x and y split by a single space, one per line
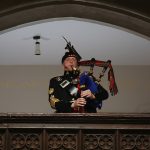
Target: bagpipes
105 65
92 84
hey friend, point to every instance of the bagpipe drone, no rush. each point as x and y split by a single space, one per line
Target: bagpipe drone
105 65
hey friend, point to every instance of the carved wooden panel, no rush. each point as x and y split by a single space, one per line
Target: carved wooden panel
99 140
135 140
2 140
25 139
62 140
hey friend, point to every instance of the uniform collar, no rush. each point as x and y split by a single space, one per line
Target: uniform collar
68 74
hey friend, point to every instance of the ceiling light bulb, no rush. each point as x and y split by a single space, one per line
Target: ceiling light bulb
37 48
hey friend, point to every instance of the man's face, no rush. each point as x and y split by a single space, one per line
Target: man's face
70 63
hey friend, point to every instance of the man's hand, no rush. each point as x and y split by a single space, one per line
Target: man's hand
87 94
80 102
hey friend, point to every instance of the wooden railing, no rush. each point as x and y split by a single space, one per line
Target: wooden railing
100 131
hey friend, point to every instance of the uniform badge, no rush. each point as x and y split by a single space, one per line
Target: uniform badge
64 83
75 81
58 78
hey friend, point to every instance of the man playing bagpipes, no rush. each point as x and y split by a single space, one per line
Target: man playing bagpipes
75 91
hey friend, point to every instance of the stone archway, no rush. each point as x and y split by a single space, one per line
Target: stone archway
25 11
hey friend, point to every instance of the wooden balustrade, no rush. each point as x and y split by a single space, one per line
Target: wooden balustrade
100 131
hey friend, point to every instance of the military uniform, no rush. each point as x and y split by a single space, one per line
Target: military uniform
61 97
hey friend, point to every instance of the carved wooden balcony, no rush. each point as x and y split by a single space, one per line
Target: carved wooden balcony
101 131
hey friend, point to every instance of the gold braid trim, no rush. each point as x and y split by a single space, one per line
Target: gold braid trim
53 100
51 91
